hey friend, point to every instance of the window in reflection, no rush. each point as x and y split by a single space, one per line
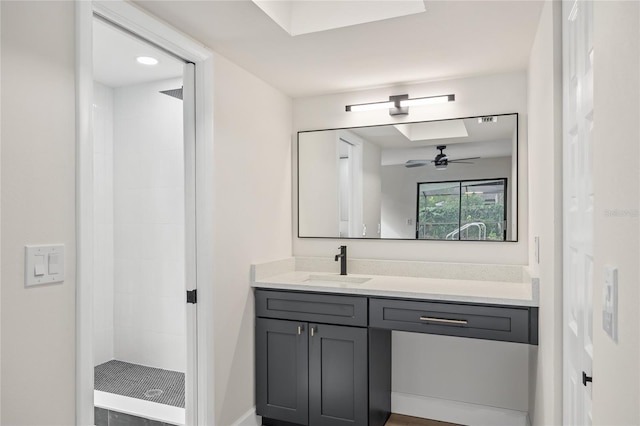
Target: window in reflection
462 210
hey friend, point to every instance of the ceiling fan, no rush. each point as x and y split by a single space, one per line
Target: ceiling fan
441 161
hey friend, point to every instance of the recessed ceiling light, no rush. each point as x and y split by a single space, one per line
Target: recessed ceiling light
147 60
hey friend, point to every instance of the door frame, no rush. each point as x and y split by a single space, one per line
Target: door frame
139 22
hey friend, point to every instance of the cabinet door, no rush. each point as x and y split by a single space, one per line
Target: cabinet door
338 382
282 368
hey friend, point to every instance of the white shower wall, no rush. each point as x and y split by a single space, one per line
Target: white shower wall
103 325
147 215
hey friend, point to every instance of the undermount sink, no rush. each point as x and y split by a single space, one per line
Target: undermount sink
338 278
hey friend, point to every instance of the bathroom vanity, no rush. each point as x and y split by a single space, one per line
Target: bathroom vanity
323 341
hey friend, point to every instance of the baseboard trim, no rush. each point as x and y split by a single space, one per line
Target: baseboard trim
456 412
250 418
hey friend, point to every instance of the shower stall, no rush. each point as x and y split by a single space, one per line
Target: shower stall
140 327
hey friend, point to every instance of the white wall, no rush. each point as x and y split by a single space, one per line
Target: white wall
545 199
320 202
400 186
103 290
616 365
252 214
320 199
38 206
252 222
481 372
502 93
149 227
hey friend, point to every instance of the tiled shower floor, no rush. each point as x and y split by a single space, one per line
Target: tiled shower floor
141 382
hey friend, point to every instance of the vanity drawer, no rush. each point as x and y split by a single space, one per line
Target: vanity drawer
510 324
312 307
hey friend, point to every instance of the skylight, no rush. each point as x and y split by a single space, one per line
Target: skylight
429 130
302 17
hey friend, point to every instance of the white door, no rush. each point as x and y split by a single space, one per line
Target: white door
577 29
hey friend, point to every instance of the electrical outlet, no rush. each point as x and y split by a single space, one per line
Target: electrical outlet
610 302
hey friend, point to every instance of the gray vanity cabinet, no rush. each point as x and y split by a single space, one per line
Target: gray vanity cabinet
338 393
317 372
311 374
325 359
282 356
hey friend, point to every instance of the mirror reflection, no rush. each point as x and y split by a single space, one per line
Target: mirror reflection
434 180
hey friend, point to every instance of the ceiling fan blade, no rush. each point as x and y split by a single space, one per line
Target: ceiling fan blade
410 164
460 162
463 159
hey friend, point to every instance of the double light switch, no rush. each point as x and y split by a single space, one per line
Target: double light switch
44 264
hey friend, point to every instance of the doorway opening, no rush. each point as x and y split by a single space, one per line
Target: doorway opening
350 187
140 226
197 163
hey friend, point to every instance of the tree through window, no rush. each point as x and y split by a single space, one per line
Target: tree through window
462 210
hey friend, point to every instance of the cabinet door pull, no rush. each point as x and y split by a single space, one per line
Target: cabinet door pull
299 330
313 331
443 320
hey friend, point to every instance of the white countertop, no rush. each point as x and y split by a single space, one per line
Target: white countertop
458 290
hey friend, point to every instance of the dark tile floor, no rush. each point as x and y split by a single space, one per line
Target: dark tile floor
141 382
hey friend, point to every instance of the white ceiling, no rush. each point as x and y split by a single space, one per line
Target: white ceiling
114 58
451 39
485 149
485 140
390 137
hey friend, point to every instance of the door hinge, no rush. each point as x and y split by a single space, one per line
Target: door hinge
192 296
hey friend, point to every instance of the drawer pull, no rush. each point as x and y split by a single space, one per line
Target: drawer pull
442 320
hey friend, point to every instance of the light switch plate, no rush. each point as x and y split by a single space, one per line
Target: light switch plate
43 264
610 302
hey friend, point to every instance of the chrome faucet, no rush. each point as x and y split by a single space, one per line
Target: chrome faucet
343 259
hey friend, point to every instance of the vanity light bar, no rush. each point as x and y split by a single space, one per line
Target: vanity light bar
428 101
371 106
399 104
